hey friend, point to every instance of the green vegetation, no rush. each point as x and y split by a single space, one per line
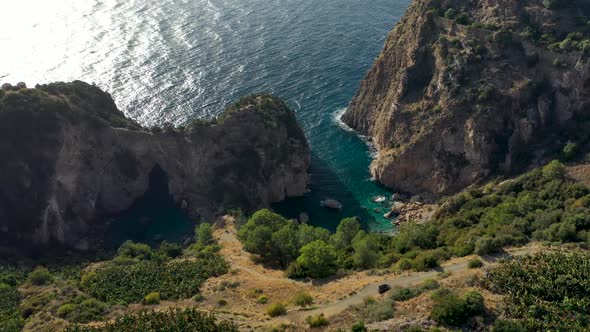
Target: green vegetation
152 298
276 309
40 276
317 321
548 291
83 312
262 299
309 251
404 294
542 204
377 311
10 318
475 264
303 299
359 327
173 280
450 309
189 320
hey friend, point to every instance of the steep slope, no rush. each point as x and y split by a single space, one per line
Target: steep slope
70 159
467 89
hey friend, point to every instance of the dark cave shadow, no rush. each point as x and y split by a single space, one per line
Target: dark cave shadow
152 218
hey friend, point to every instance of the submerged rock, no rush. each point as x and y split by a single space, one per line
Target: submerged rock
71 159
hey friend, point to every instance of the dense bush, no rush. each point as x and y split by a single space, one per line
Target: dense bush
542 204
276 309
152 298
317 321
173 280
189 320
40 276
10 318
545 291
475 264
303 299
404 294
379 311
86 311
450 309
309 251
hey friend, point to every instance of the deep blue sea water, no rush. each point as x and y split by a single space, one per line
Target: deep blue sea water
175 60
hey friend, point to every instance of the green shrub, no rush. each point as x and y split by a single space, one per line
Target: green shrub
475 263
86 311
379 311
152 298
262 299
317 321
450 309
547 291
66 310
276 309
501 325
152 321
403 264
303 299
404 294
10 317
424 262
570 150
40 276
173 280
359 327
451 14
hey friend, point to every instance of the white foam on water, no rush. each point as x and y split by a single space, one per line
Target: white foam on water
337 118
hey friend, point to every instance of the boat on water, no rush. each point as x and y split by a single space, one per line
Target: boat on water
331 204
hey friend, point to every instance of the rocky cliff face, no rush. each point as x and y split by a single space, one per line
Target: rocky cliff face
467 89
70 159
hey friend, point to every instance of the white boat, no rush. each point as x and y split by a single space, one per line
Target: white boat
331 204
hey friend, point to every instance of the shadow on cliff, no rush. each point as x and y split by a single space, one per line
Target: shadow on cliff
152 218
324 183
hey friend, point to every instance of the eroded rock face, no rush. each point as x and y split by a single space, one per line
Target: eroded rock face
70 159
495 90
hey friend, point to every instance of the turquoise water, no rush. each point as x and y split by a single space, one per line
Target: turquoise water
175 60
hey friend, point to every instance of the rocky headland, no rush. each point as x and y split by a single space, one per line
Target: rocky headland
71 160
467 90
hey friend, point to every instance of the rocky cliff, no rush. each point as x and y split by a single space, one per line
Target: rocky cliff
71 159
467 89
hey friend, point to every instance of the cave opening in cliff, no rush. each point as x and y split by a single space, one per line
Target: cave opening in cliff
153 217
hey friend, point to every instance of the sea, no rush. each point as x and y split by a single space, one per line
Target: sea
177 60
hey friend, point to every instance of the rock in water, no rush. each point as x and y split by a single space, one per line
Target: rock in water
454 100
70 159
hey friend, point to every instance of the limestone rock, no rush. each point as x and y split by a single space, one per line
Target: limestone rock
71 160
448 104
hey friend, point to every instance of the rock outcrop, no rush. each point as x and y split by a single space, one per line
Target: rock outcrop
71 159
464 90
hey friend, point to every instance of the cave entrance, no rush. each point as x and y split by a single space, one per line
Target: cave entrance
152 218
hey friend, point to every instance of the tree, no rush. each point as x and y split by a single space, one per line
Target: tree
365 251
259 241
345 233
285 244
318 259
308 234
204 234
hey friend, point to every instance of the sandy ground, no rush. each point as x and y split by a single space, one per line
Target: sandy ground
332 297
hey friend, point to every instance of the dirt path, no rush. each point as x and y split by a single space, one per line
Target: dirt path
332 297
410 279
